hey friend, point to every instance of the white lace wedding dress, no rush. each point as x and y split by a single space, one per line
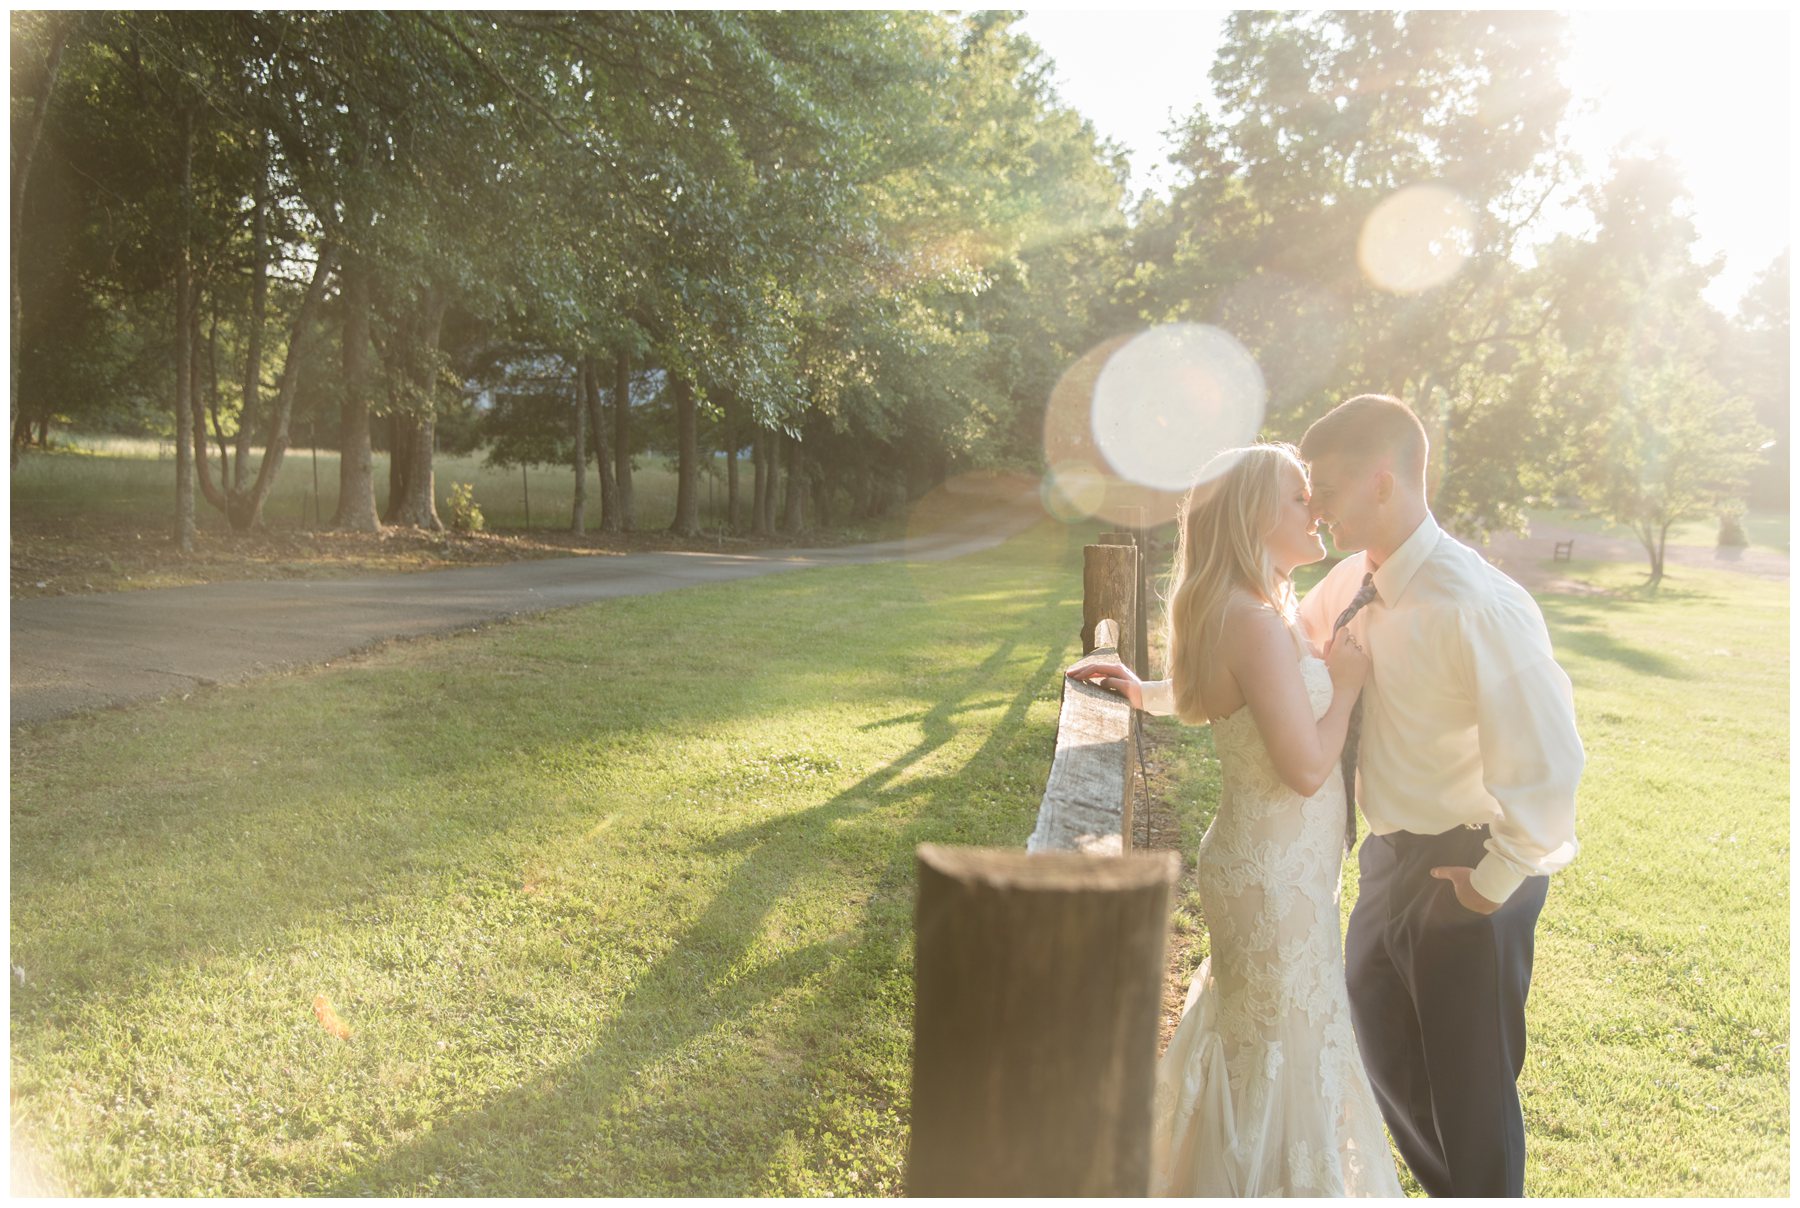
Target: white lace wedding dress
1262 1091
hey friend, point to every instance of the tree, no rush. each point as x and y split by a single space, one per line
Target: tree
611 510
52 31
1679 448
1755 362
1324 118
1656 439
153 159
393 133
860 243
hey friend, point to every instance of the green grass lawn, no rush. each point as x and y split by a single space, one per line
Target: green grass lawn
125 476
1659 1012
618 901
1764 528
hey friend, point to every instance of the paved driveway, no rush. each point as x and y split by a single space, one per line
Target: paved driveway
73 653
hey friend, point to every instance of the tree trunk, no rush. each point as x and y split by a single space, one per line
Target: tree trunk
772 449
760 488
216 495
687 474
184 416
212 394
795 518
759 467
824 483
1658 556
611 515
184 340
415 505
397 437
247 509
731 475
622 438
26 153
578 514
863 493
356 472
421 480
259 308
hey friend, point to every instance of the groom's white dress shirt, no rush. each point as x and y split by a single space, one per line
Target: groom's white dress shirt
1467 719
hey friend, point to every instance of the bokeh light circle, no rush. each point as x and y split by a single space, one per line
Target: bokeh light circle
1171 399
1416 239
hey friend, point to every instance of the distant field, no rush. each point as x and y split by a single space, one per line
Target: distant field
1766 528
129 476
96 514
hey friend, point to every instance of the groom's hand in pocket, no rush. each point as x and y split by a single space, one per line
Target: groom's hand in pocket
1465 892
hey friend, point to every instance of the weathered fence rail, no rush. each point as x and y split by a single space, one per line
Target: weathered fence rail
1087 802
1038 973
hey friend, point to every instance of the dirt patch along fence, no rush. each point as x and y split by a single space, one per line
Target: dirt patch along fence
1039 973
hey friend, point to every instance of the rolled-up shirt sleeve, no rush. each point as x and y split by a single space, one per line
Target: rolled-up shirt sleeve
1531 755
1159 697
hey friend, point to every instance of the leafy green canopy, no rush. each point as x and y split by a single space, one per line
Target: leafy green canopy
881 233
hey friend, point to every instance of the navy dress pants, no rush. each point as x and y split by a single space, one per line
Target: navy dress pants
1437 993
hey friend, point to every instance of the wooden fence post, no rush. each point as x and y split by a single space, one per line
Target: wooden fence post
1109 591
1038 988
1132 517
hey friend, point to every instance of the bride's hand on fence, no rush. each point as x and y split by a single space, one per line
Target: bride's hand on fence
1114 677
1348 660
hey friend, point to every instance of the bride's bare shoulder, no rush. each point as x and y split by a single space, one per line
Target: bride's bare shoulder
1250 619
1255 629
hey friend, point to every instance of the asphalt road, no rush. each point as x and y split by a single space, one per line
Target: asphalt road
74 653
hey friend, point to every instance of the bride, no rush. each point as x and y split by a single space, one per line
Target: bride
1261 1091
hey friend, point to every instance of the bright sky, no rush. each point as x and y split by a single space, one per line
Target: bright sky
1713 87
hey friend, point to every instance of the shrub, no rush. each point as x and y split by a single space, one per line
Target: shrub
465 513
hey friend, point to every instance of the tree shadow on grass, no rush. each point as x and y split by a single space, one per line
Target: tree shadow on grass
1577 625
586 1128
216 856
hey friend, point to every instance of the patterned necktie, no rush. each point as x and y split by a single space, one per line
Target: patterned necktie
1351 736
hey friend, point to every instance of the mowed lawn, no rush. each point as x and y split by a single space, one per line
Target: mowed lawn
1764 528
618 901
613 901
1659 1059
132 477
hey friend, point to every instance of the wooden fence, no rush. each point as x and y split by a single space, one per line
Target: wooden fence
1039 973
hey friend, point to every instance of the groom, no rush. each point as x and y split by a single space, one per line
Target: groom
1467 772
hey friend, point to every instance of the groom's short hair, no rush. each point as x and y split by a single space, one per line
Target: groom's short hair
1366 427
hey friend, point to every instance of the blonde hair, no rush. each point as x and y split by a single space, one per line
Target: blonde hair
1224 519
